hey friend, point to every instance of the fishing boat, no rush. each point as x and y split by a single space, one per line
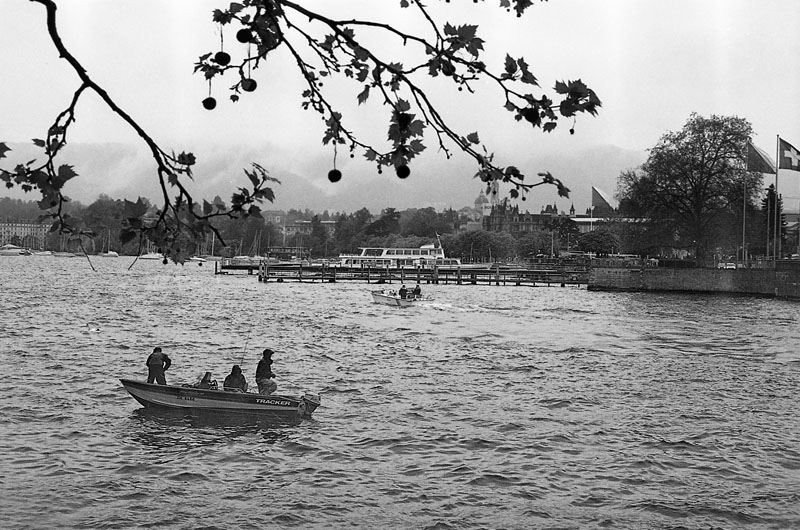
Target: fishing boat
389 297
189 398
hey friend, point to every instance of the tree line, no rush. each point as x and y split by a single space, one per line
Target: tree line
342 233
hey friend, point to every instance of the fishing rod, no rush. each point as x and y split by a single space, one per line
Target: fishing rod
246 342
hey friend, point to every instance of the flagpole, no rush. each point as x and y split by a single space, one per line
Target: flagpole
779 228
769 222
775 248
744 213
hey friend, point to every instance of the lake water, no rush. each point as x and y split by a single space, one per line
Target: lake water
491 407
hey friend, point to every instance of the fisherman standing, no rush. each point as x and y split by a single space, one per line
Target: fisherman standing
157 363
264 374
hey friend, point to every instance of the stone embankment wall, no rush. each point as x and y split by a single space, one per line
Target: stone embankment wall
782 282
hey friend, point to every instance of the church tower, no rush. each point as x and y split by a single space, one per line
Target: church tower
482 205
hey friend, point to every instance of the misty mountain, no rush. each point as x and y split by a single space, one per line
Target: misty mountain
127 172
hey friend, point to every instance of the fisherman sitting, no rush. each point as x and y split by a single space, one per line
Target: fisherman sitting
403 292
207 383
417 292
235 381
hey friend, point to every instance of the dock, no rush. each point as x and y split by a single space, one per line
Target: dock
553 274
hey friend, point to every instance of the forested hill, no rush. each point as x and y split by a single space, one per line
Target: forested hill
17 209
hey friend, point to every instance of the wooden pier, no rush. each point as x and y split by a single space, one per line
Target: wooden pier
464 275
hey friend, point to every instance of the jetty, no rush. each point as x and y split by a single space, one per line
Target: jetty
557 272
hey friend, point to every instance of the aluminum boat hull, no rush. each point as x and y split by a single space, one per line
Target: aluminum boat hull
192 399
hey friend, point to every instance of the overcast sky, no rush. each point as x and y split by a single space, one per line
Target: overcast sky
651 62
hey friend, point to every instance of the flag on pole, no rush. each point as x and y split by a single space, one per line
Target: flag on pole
789 156
758 160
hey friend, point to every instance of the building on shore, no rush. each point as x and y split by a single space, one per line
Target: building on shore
499 216
24 233
507 218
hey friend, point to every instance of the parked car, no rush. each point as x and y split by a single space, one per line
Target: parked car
726 265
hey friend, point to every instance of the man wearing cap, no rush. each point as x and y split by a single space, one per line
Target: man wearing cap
264 374
157 363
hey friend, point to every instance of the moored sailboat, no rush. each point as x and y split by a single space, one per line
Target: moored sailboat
108 253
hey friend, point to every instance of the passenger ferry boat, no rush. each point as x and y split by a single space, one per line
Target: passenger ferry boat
426 257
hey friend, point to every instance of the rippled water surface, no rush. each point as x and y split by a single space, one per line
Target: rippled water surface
491 407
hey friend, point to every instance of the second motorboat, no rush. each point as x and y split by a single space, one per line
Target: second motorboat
393 298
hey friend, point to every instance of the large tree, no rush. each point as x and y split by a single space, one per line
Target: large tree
387 223
691 179
601 242
324 44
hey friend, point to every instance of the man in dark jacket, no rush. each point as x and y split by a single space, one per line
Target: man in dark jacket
235 380
157 363
264 374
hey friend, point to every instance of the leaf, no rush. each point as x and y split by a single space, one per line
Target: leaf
47 202
221 17
65 173
3 150
364 95
416 128
134 210
475 46
416 147
254 180
265 193
473 138
527 76
511 65
467 32
433 67
187 159
38 142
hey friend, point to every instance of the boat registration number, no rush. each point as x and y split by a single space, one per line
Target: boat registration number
276 402
186 398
